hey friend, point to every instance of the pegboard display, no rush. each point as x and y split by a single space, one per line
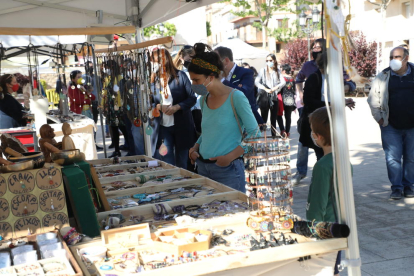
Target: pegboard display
32 201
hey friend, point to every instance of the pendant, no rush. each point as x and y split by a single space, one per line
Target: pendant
128 107
116 121
149 130
116 107
145 118
131 91
156 112
137 122
73 87
78 86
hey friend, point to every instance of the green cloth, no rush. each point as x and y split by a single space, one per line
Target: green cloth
320 206
81 200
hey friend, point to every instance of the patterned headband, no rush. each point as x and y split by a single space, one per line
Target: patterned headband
204 64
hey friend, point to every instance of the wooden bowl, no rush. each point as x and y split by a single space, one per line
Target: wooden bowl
37 157
67 157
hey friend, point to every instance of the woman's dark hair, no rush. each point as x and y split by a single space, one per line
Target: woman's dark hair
246 64
321 61
254 71
185 51
4 80
274 64
74 73
208 56
286 67
320 41
169 65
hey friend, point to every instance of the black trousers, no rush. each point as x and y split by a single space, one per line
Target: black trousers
288 118
264 111
115 135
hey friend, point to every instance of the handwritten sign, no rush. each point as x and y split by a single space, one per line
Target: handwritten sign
6 230
31 224
24 205
55 219
4 209
48 178
21 182
52 201
3 186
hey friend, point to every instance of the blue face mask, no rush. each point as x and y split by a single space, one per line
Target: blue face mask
270 64
200 89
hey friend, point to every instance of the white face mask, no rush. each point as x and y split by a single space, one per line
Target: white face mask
396 64
314 139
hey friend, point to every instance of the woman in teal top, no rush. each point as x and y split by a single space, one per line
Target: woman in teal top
219 150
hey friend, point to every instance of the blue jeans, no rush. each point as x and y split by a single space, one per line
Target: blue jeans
176 156
398 145
302 155
138 138
231 175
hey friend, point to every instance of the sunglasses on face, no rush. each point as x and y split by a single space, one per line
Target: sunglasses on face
269 60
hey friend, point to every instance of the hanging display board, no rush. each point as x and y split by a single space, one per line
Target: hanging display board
32 200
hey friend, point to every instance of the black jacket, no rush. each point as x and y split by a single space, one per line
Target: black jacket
312 95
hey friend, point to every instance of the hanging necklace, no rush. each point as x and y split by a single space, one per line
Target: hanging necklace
163 74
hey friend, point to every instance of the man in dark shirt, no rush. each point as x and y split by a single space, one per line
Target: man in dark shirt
391 101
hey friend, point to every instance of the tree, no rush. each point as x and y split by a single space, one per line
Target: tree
284 33
263 11
296 53
364 56
169 30
208 28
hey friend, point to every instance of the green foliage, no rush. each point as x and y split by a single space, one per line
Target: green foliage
208 28
169 30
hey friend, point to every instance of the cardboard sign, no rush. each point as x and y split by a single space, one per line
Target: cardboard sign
21 182
32 201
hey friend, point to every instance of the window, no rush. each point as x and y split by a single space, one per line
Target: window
278 47
406 9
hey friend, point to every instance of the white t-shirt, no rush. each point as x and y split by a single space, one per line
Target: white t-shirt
167 120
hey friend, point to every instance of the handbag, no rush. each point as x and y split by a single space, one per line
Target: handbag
288 93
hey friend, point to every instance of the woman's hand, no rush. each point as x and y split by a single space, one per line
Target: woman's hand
172 109
193 153
222 161
268 90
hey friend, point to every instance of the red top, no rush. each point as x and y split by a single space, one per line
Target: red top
78 99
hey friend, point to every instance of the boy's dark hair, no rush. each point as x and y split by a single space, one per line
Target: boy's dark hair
224 52
319 121
286 67
203 51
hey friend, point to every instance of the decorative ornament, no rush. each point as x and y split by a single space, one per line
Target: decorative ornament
155 112
131 91
287 224
163 150
137 122
148 130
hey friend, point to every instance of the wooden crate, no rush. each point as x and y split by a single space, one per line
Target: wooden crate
229 264
109 161
74 263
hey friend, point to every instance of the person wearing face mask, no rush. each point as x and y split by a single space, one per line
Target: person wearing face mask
391 100
226 113
239 78
308 68
175 100
314 98
269 82
11 111
80 99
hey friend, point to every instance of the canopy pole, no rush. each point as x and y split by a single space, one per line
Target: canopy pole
98 92
341 151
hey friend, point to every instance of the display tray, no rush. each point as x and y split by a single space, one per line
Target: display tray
123 160
32 240
204 185
147 212
237 259
126 169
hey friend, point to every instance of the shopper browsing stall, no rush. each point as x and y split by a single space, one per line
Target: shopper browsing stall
11 111
226 112
80 98
288 99
176 133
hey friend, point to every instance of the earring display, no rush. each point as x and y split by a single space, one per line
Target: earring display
269 189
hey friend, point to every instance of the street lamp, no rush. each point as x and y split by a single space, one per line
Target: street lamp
304 22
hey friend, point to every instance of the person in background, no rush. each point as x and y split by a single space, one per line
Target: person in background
308 68
176 131
239 78
269 82
80 101
391 100
11 111
314 98
226 112
321 204
288 98
246 65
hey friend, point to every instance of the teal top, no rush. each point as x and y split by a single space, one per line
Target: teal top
220 131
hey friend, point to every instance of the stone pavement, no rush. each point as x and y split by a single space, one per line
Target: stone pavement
384 226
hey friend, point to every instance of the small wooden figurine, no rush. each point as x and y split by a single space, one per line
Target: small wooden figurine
67 142
47 134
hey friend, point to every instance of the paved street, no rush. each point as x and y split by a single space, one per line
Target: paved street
384 226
